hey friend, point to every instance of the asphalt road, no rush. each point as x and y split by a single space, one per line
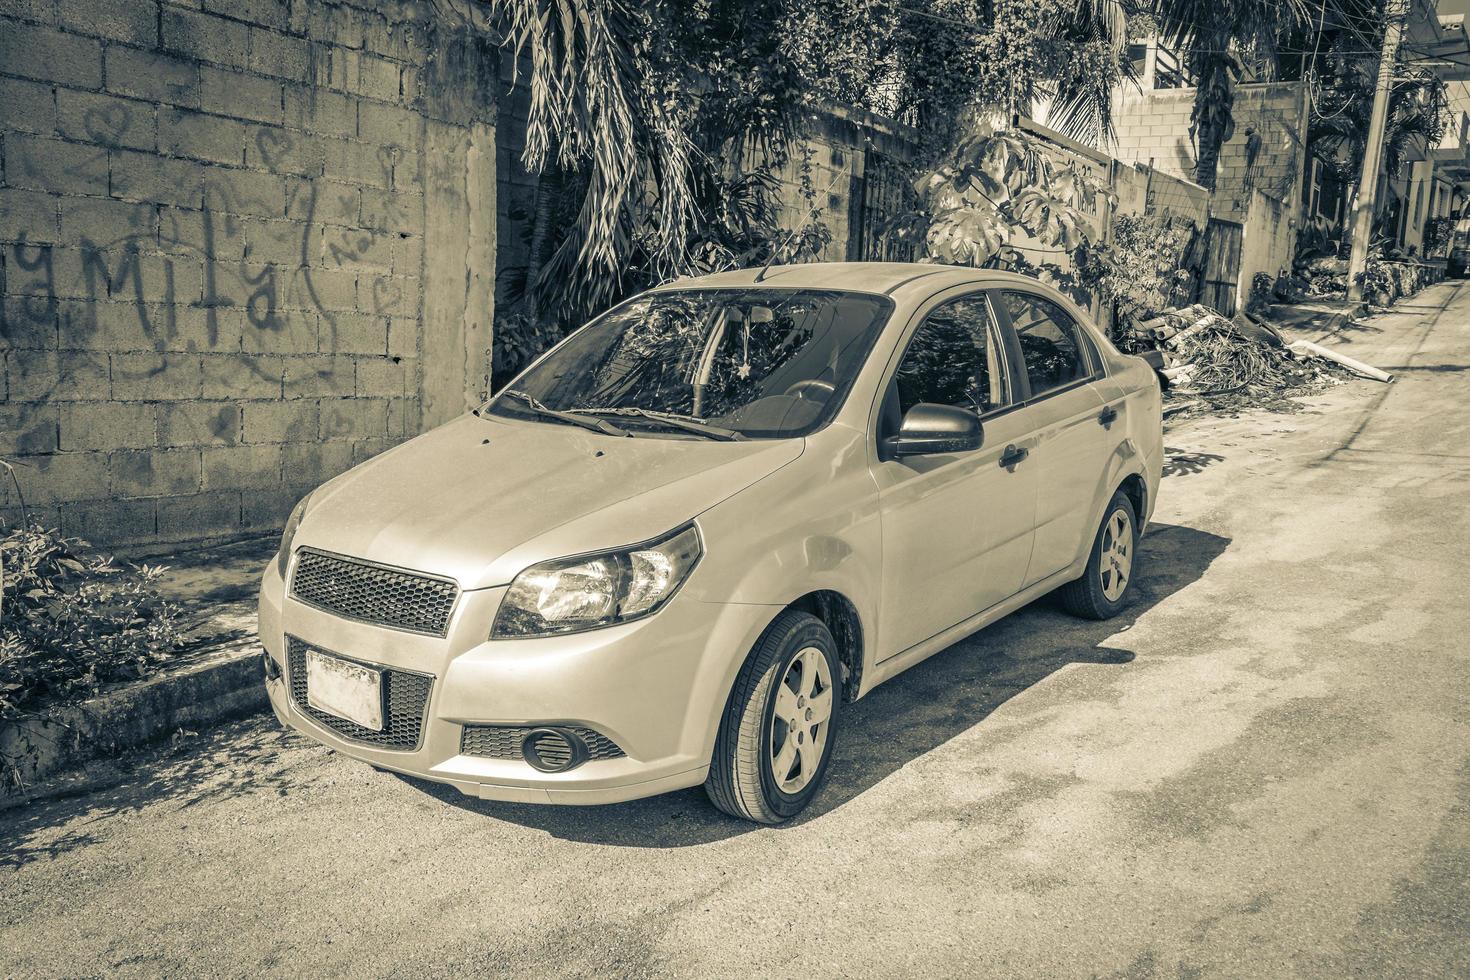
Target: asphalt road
1263 768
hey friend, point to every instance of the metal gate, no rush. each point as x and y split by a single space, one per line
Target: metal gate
880 194
1221 280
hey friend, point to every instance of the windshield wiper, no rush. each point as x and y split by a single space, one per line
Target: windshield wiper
685 423
596 425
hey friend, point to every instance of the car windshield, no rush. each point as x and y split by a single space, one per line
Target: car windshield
730 363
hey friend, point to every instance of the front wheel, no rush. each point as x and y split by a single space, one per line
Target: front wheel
1104 589
776 736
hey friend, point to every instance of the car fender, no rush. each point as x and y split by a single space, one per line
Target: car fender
1125 460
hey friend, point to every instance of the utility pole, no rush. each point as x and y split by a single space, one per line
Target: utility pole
1373 149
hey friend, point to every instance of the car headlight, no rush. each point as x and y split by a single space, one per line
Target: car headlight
283 556
590 591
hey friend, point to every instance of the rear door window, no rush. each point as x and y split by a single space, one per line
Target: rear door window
1051 342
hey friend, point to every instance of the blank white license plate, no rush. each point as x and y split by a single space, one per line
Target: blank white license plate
345 689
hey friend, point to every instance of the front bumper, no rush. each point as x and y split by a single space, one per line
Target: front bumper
656 687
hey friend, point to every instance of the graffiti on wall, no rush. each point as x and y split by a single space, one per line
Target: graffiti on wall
220 258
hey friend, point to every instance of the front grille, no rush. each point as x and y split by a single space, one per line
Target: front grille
407 696
373 593
504 741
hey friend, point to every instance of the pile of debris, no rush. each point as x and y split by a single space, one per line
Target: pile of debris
1211 362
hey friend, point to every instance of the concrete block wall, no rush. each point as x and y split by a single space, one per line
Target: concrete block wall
1153 125
215 224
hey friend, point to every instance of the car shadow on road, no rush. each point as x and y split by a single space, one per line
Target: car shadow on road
902 720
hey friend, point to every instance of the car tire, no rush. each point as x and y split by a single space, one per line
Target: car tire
1098 594
793 665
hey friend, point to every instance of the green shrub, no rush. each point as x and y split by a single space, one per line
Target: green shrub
73 620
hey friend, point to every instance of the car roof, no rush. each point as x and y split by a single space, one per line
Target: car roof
898 279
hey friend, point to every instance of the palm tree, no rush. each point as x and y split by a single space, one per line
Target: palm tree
1215 33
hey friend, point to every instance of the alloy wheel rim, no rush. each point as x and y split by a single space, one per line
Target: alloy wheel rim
800 720
1115 565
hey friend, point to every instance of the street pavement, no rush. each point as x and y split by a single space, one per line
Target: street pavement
1261 769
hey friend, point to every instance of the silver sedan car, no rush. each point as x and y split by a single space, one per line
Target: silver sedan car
671 550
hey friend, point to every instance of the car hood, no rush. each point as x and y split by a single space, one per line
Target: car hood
480 498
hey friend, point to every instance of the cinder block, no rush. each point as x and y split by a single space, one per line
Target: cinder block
280 421
408 255
242 376
208 38
355 248
152 76
338 25
63 477
246 192
27 107
198 515
279 55
378 79
397 39
29 322
283 151
268 509
285 332
407 170
326 290
110 521
58 376
51 165
107 425
392 295
242 467
403 337
233 93
383 377
403 418
198 424
368 448
27 216
361 163
274 241
354 419
184 133
108 224
118 20
397 211
316 462
106 120
148 177
50 56
270 13
155 377
28 428
204 234
155 472
324 202
320 111
388 125
357 333
108 326
319 375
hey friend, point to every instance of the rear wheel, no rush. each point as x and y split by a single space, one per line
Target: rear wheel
776 737
1106 585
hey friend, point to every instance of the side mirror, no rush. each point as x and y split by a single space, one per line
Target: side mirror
929 429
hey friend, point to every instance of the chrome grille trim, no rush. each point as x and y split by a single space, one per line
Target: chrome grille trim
504 741
406 695
371 593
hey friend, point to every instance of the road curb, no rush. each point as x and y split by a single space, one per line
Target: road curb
224 684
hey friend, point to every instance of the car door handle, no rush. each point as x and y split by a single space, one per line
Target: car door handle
1108 417
1013 455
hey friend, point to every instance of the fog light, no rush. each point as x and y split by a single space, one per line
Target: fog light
271 668
553 749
